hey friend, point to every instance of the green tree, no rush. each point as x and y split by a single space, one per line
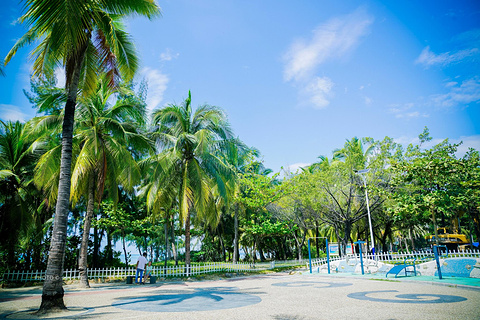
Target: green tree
86 38
434 185
105 135
188 167
258 191
18 206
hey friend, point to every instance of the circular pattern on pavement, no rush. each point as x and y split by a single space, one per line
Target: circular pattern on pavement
188 300
406 298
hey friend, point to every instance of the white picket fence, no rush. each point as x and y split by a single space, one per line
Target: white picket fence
397 257
174 271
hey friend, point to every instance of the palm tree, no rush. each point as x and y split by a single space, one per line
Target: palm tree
18 154
189 168
354 154
86 38
103 135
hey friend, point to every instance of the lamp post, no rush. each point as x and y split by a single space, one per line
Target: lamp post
361 174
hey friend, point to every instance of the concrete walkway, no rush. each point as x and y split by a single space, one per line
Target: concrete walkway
279 296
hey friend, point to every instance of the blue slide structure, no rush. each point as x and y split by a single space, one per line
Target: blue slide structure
403 267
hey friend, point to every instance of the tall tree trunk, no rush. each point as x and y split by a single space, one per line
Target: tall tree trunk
437 242
83 259
317 237
298 245
124 249
174 246
96 245
260 250
187 244
165 226
222 246
235 240
52 293
347 228
109 248
411 238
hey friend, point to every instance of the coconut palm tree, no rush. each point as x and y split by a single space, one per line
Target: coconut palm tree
18 153
105 134
188 167
102 157
354 153
85 38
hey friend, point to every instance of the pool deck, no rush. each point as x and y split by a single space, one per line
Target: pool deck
279 296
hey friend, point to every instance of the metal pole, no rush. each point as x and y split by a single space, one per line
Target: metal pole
328 255
437 260
309 256
361 256
369 217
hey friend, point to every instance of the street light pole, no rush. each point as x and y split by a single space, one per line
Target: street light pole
360 173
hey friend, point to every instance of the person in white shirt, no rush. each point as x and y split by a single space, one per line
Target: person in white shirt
141 262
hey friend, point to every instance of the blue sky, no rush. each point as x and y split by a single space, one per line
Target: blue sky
298 78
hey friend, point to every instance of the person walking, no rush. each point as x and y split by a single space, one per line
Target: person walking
141 262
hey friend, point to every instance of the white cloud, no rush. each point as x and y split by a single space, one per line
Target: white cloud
368 100
168 55
331 40
405 111
318 90
429 58
9 112
459 94
411 115
157 84
334 39
468 142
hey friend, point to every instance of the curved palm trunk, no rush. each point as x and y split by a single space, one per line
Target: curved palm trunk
187 244
124 248
167 255
174 246
235 240
82 261
52 294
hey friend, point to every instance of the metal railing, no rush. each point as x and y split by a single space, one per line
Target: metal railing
395 257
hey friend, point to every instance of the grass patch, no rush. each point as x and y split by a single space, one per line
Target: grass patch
386 279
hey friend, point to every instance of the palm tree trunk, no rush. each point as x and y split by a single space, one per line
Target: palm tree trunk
411 238
82 261
187 244
235 240
52 294
96 245
124 249
174 246
166 242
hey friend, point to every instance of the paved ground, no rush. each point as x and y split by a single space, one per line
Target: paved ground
278 296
